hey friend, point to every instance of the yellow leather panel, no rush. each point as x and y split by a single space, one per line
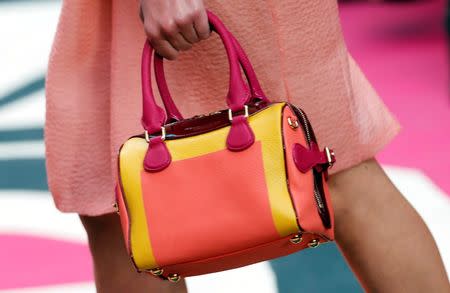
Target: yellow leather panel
267 128
131 164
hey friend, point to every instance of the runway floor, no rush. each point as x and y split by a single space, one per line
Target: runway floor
401 48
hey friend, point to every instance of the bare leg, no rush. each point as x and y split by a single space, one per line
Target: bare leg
114 272
385 241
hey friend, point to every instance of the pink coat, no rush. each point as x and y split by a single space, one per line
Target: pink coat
94 95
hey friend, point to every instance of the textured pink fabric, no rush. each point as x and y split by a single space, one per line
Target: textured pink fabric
94 93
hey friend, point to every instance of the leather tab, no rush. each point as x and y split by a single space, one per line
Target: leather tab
158 156
241 135
305 159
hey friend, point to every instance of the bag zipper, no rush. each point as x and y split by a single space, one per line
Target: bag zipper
318 196
305 126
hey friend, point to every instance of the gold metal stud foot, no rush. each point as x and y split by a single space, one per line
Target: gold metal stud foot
156 272
174 278
293 123
296 239
314 243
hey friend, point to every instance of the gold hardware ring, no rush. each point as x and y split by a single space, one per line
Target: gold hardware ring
293 123
230 113
330 155
163 134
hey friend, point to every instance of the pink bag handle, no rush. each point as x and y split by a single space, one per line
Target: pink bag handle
153 117
171 109
240 135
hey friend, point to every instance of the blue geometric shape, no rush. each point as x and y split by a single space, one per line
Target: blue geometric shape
10 135
23 174
23 91
318 270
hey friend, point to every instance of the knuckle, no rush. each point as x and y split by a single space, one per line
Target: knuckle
183 20
152 32
169 27
196 12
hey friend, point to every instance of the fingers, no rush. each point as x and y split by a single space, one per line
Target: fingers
201 24
171 33
180 43
189 34
170 38
164 48
174 28
159 36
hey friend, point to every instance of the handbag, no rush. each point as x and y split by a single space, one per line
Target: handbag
221 190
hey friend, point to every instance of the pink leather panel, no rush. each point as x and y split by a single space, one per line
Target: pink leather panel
241 135
181 208
305 159
301 185
157 157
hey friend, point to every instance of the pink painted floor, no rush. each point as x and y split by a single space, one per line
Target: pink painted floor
38 261
403 50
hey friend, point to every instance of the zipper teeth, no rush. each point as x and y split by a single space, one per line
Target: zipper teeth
317 196
305 123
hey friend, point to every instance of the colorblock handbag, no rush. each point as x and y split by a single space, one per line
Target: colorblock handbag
221 190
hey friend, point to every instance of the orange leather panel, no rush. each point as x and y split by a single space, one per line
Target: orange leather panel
177 219
301 185
266 126
278 248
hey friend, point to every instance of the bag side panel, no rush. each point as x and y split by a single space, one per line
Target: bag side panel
301 185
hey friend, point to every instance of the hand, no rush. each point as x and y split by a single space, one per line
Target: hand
174 25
